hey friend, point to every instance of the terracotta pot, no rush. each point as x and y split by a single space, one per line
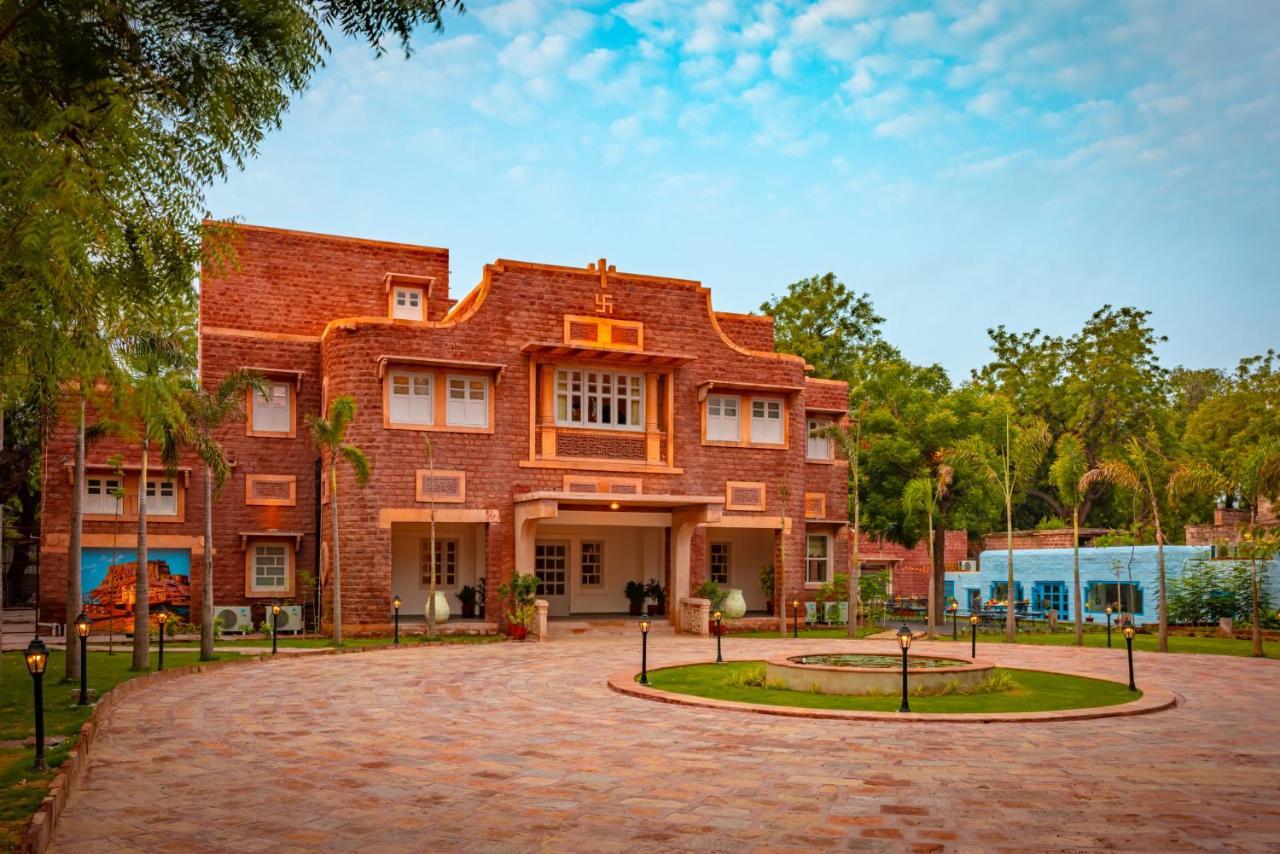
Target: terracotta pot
654 610
519 632
468 609
635 608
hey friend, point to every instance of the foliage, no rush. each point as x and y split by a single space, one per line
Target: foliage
1117 538
835 590
768 580
655 591
713 592
520 590
873 586
635 592
1207 590
467 595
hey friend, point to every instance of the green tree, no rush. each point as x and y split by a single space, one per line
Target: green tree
1137 472
1066 473
1252 476
330 438
835 329
1011 466
206 411
849 439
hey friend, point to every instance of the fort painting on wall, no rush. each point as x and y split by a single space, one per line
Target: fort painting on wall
109 584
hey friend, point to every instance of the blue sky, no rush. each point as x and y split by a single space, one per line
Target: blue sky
966 163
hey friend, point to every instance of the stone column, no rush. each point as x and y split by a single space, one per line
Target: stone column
683 523
652 435
540 623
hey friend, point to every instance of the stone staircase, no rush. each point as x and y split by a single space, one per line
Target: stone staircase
560 627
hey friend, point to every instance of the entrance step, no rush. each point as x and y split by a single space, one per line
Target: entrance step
568 627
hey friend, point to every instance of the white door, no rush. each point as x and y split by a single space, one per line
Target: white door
551 565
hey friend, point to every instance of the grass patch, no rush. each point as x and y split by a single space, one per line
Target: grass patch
829 633
1143 642
1026 691
21 788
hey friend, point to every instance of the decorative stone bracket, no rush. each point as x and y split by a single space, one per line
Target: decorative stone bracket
695 616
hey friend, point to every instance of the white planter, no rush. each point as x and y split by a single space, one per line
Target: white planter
734 605
442 608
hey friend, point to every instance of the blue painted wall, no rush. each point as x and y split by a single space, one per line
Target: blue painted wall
1037 572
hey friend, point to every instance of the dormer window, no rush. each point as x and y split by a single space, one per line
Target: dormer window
406 303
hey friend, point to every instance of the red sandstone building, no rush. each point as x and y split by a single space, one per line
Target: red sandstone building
591 426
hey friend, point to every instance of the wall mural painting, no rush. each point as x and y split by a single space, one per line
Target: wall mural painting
109 579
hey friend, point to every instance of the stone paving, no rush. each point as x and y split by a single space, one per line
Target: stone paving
521 747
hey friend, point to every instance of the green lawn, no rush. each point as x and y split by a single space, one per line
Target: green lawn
833 632
21 788
1035 691
1145 642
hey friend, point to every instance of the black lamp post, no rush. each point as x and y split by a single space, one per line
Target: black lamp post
83 627
396 603
973 631
1108 610
162 617
644 650
275 625
904 640
954 608
795 618
37 656
1128 640
718 617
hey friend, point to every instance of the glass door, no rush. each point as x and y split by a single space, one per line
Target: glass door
551 565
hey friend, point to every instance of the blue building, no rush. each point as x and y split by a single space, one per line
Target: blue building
1107 575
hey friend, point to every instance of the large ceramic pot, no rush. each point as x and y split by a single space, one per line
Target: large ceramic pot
442 608
734 605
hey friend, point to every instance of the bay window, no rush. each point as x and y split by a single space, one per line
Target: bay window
599 399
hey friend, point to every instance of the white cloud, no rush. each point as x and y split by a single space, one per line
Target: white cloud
861 83
915 27
903 126
989 104
529 56
512 16
981 19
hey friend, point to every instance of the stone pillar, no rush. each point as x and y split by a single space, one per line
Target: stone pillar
652 436
683 523
540 622
1225 628
546 378
695 615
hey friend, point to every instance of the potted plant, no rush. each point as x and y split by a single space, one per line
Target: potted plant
767 576
519 593
656 595
467 596
635 596
713 593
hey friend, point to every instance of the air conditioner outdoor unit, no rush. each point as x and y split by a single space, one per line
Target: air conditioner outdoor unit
968 566
289 620
234 618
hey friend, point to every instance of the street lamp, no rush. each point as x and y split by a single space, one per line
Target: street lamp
973 627
83 627
396 603
718 617
275 625
644 650
954 608
1108 610
1128 640
37 656
795 618
162 617
904 640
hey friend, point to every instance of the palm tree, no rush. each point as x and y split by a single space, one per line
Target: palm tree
1255 475
1133 473
921 495
155 364
1011 467
330 438
850 441
1066 473
206 411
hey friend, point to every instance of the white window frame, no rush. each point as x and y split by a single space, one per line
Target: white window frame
723 425
818 447
605 400
597 577
273 412
448 556
285 563
98 498
158 502
407 303
768 429
724 551
407 402
466 401
817 568
545 554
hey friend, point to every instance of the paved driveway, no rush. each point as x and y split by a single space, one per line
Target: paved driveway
519 747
